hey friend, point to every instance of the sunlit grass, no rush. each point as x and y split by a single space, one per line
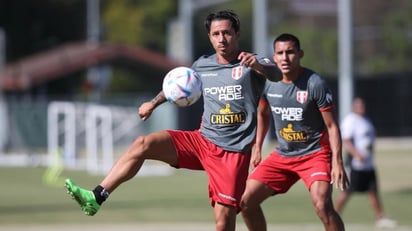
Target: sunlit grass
183 197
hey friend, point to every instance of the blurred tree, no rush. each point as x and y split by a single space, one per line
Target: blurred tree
138 22
122 22
381 44
141 23
33 26
396 48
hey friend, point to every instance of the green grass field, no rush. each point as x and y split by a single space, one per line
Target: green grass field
26 201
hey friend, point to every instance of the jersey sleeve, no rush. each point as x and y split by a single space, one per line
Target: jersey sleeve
322 94
271 69
195 64
266 87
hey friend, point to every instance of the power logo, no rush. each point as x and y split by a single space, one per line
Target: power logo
289 113
226 93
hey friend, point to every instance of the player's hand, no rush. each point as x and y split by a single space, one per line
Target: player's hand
360 158
145 110
339 177
249 60
256 158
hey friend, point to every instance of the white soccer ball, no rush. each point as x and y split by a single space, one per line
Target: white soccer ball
182 86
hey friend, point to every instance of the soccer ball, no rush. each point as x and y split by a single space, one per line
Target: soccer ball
182 86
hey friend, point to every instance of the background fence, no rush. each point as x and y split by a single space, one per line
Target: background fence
85 131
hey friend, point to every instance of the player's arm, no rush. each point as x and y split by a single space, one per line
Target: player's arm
271 72
263 122
338 174
146 109
264 66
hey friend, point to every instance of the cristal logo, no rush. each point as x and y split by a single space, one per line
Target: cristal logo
290 135
225 92
227 117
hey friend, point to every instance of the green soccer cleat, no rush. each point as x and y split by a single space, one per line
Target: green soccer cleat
84 198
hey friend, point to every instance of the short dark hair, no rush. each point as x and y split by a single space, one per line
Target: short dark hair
285 37
222 15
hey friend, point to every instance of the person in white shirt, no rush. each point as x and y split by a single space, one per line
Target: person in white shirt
358 135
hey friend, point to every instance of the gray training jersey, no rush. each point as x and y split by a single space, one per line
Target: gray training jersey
296 111
231 93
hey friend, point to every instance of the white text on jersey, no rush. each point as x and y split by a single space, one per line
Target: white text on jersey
225 92
289 113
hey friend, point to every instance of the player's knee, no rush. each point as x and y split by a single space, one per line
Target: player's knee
221 225
140 146
246 204
244 207
225 217
244 200
319 206
323 208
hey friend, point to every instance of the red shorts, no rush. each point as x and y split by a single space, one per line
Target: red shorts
280 172
227 171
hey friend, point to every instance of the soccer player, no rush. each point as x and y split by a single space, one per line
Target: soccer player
309 139
232 80
358 134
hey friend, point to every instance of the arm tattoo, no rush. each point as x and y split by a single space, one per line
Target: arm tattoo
158 99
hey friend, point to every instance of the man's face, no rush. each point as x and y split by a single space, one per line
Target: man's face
358 106
287 56
223 38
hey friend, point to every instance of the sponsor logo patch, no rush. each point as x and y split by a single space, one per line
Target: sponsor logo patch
290 135
227 117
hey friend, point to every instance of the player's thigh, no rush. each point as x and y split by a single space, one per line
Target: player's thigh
159 146
255 193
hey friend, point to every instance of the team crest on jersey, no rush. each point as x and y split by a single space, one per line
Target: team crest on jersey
302 96
237 72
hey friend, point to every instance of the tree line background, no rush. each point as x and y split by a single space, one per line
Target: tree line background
382 30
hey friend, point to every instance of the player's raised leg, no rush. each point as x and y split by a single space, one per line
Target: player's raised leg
156 146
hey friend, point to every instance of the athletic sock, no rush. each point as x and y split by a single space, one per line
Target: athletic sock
100 194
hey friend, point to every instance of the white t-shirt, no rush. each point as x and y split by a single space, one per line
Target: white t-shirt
362 133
